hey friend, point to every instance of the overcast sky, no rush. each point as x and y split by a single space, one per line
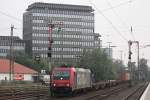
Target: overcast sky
113 19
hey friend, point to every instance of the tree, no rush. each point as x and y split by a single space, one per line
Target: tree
99 63
117 68
143 69
24 59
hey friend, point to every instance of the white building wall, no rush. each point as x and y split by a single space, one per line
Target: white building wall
27 77
4 76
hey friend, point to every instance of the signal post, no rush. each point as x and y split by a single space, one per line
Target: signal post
51 26
129 62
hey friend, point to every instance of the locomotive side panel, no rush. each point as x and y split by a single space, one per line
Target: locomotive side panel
82 78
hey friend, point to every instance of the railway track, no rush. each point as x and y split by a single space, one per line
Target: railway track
24 93
137 93
106 94
101 94
133 93
41 93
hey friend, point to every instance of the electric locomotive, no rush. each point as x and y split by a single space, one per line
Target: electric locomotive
69 80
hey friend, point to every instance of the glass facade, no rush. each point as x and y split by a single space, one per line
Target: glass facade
77 30
18 45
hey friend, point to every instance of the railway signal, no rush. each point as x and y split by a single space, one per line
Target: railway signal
49 54
37 58
130 53
51 27
129 62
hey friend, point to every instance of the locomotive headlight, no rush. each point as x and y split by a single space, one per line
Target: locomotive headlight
54 84
67 85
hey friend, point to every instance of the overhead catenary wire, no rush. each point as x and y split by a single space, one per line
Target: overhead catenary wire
109 21
118 5
19 21
120 19
10 16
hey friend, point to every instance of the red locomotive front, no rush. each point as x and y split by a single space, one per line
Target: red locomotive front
62 80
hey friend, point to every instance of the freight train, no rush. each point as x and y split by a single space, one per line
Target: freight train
71 80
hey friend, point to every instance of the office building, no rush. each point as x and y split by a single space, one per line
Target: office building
18 45
76 33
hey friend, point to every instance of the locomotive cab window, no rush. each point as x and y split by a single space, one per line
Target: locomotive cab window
61 75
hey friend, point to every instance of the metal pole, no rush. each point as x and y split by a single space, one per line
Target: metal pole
138 60
99 43
49 56
11 55
109 48
50 44
121 52
59 30
129 62
62 49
